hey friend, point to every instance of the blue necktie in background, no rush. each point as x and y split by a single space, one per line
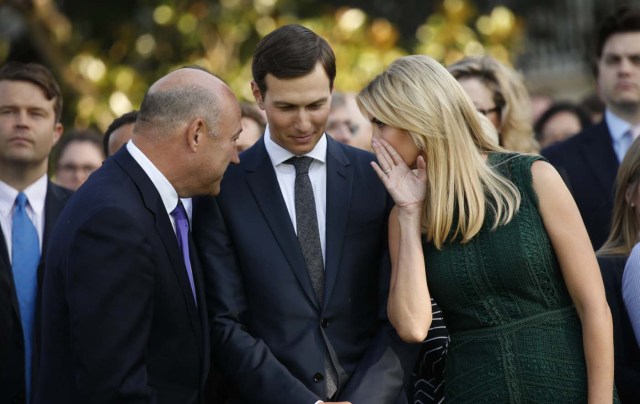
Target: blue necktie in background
25 255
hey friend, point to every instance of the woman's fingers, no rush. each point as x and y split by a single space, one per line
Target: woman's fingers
381 174
392 153
385 161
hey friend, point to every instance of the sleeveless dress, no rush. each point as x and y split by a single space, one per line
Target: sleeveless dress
515 335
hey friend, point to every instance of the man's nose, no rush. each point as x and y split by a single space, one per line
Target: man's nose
303 121
235 156
22 118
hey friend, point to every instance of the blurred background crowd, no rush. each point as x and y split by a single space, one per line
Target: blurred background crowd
106 54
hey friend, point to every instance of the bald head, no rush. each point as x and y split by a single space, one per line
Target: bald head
179 97
187 127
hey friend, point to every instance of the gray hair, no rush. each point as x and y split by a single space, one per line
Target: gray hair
169 108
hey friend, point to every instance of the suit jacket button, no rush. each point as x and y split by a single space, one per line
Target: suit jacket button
318 377
324 323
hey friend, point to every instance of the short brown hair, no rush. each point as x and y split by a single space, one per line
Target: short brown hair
624 19
291 51
36 74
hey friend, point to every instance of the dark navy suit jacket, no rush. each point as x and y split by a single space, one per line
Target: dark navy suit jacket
12 383
269 331
588 165
120 324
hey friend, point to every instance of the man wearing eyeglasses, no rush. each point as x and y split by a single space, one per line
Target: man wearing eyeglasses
79 153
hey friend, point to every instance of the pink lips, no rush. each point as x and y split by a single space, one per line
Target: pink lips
303 139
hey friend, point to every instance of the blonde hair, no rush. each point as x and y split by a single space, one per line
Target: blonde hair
624 225
510 96
418 95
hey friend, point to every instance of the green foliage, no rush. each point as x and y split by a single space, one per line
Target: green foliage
106 54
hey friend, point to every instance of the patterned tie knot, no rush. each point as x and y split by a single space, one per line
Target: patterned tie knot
301 164
21 200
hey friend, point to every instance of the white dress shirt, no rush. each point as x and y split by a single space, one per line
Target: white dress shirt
286 174
167 192
36 194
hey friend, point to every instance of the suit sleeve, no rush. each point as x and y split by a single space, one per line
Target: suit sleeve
109 287
246 360
386 367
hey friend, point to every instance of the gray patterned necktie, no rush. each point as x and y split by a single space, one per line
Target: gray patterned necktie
309 240
307 224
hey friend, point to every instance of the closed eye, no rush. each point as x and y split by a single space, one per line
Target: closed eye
377 122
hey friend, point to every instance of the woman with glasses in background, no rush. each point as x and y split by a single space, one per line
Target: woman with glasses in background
498 92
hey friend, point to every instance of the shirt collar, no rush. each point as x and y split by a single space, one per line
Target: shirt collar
36 194
279 154
167 192
617 126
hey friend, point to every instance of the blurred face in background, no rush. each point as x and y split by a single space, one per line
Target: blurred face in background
619 72
560 126
77 161
482 98
340 126
251 132
119 137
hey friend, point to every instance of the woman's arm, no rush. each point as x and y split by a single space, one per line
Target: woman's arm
581 274
631 290
409 303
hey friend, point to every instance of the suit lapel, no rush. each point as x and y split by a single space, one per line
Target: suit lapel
54 202
597 150
153 203
4 254
339 187
261 179
203 335
5 265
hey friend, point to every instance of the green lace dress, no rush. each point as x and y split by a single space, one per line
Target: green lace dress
515 335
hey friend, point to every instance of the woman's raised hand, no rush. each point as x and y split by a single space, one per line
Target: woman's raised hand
407 187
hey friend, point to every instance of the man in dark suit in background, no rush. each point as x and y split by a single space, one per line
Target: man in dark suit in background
589 161
30 110
294 249
124 313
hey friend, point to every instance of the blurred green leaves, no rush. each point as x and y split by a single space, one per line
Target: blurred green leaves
107 59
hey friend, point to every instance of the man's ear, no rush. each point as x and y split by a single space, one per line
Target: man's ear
257 94
58 129
195 133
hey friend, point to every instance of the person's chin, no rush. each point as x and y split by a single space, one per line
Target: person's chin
300 146
215 189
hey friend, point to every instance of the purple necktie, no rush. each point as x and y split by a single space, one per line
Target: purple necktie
182 232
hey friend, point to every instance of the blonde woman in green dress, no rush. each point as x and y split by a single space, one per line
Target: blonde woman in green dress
495 238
